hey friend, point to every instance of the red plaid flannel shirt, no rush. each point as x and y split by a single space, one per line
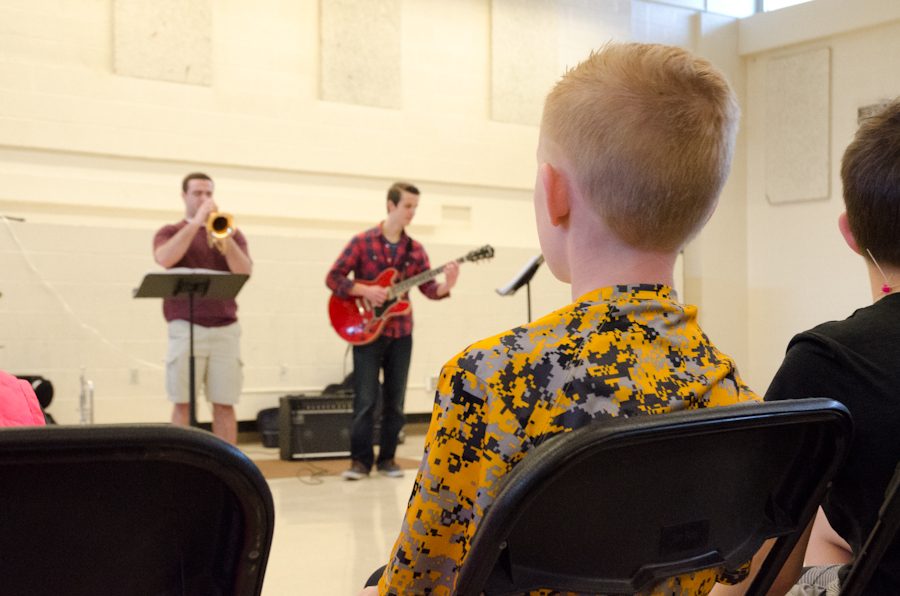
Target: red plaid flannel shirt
367 255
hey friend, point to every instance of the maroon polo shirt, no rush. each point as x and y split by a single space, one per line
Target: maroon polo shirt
208 312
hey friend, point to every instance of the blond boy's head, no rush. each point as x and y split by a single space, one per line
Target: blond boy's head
648 133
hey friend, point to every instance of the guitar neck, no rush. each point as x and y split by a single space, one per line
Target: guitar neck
401 287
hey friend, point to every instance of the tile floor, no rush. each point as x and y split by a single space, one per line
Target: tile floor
330 534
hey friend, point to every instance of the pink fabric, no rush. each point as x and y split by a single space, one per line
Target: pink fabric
18 403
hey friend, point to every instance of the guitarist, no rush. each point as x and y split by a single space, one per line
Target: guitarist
367 255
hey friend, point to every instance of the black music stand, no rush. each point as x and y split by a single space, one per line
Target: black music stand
193 282
523 279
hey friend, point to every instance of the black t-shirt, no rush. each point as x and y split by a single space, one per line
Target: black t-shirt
856 362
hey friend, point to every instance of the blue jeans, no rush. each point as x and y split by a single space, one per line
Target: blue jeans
392 356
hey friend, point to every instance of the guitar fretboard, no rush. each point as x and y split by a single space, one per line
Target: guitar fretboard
401 287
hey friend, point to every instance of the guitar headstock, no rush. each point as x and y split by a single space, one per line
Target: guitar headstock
485 252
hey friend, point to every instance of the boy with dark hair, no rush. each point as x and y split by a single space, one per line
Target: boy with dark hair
635 145
855 362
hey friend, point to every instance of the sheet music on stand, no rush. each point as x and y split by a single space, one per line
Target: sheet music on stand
523 277
165 283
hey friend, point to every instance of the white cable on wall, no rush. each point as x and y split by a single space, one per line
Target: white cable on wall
65 305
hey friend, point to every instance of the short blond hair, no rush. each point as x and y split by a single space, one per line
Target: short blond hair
649 131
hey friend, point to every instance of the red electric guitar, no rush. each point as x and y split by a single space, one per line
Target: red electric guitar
359 322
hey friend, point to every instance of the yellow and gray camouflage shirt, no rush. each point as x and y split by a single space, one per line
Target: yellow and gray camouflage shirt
617 351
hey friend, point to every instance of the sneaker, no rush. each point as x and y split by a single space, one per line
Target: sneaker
357 471
390 468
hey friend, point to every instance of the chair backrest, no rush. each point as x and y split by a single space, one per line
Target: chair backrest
615 507
880 538
130 509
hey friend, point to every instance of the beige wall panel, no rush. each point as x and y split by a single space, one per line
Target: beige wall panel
585 25
692 4
657 23
58 93
536 41
445 67
166 40
524 58
361 52
798 126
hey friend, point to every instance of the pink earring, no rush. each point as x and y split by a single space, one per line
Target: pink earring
885 287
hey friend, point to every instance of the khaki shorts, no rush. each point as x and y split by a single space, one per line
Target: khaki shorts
217 363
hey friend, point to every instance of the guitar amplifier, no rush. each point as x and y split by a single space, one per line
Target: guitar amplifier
314 426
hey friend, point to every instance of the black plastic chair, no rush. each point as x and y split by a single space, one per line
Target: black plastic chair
614 508
139 510
879 539
43 390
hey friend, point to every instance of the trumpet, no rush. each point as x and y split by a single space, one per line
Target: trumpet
220 226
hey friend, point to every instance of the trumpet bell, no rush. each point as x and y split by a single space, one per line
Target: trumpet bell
220 225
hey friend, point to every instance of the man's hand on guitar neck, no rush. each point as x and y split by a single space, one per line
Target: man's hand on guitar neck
373 293
451 274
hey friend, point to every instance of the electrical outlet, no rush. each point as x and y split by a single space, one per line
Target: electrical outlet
431 383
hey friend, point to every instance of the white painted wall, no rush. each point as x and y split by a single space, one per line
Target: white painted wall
92 159
70 270
715 275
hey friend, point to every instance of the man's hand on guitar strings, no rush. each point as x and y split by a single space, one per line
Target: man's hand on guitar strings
374 294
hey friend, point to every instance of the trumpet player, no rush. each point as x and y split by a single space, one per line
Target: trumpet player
201 242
